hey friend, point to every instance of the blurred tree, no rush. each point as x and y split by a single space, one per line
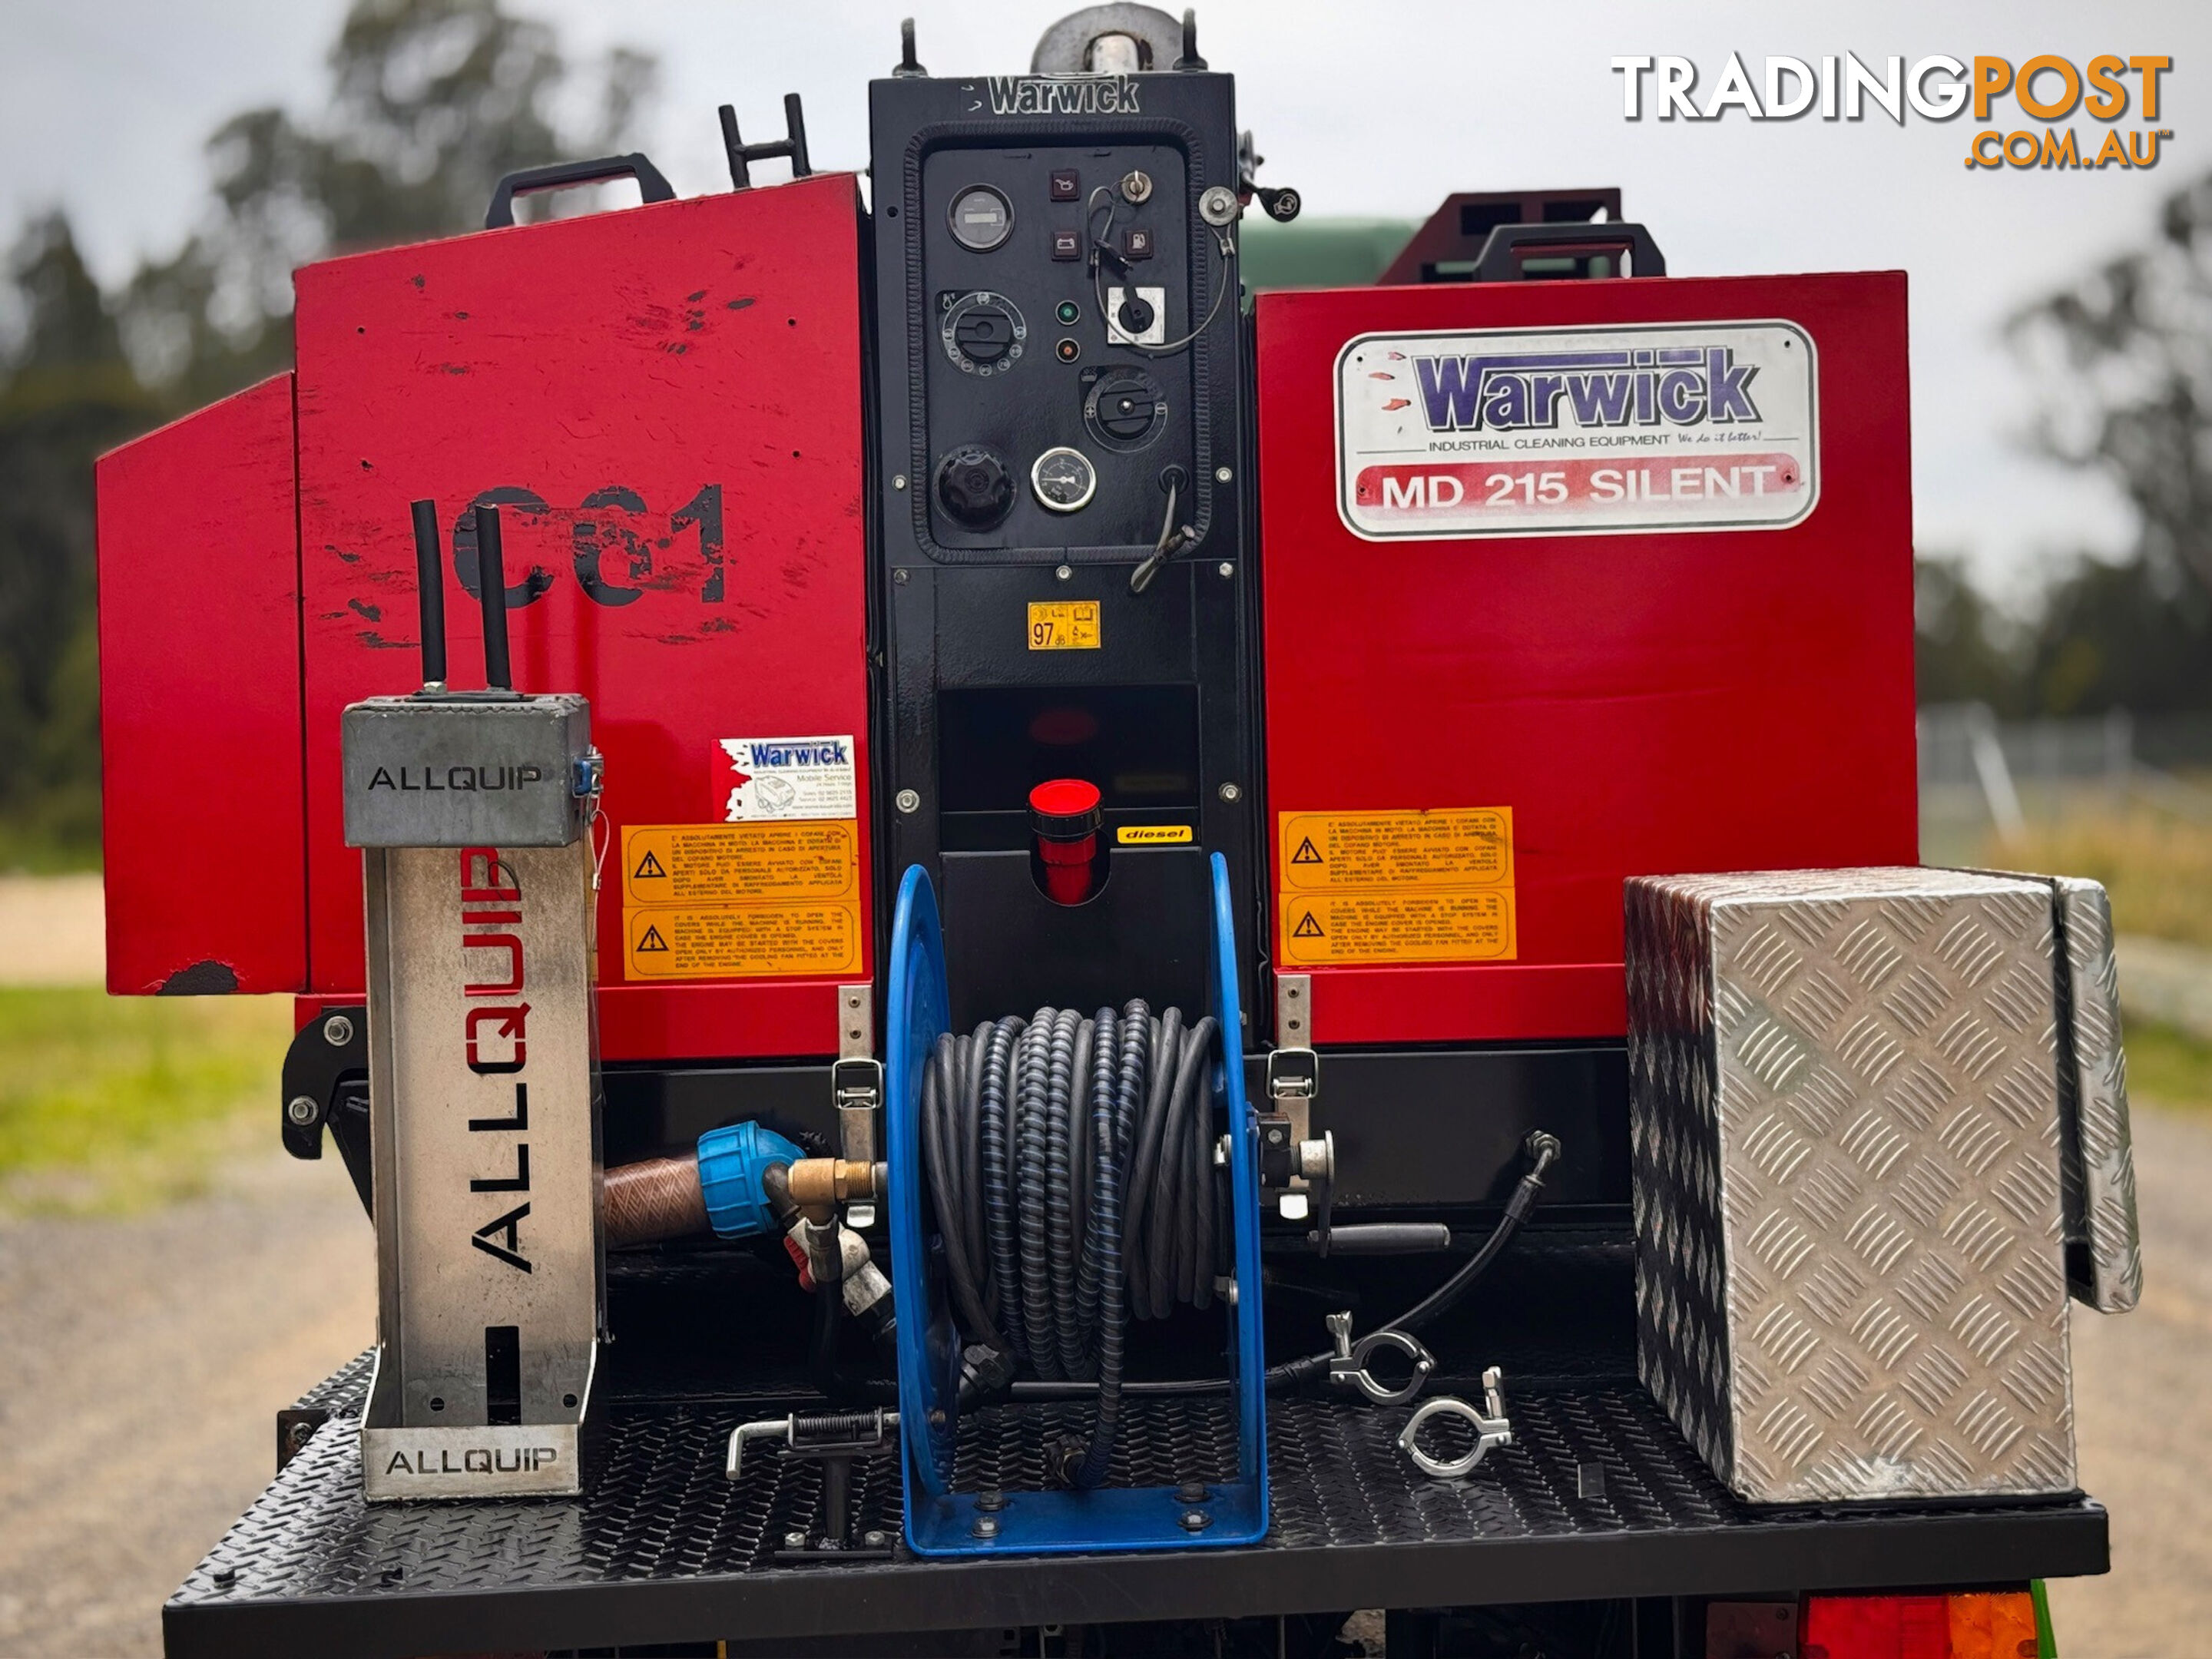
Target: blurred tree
1964 650
67 391
430 101
2127 357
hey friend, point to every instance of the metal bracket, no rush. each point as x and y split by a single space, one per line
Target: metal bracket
1348 1367
1492 1429
856 1087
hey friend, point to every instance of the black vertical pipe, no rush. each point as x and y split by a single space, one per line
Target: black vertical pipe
491 590
430 591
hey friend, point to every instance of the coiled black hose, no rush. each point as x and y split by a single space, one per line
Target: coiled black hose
1070 1162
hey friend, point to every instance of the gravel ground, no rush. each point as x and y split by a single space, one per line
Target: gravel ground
142 1363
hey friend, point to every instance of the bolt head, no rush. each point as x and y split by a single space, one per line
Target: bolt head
338 1030
1222 475
874 1539
1230 792
899 482
900 577
1065 573
987 1526
302 1110
908 801
1226 569
1196 1520
794 1541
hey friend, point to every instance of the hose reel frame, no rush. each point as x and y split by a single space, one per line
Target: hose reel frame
938 1521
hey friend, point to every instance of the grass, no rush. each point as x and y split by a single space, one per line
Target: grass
112 1104
2167 1065
2158 868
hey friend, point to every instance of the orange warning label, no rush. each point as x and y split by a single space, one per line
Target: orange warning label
720 863
1450 847
1472 924
740 900
739 941
1385 887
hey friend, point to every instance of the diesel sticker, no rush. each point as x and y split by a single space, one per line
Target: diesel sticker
1514 432
757 778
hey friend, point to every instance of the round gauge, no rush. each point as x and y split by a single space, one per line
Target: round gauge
983 332
981 218
1064 479
1125 409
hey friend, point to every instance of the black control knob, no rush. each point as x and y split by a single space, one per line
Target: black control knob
1125 408
1135 315
984 335
975 487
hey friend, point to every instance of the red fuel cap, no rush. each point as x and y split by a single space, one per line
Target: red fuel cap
1065 814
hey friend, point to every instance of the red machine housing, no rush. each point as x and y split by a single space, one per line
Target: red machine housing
665 402
1700 699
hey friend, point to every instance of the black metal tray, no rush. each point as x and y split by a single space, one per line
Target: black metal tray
1599 1497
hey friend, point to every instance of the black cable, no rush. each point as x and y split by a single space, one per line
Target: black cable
1543 1150
1070 1166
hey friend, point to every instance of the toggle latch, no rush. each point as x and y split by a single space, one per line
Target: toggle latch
856 1088
1295 1163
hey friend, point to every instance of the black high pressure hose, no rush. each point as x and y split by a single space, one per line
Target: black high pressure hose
1070 1162
1543 1149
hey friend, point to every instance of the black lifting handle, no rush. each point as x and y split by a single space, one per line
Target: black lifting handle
562 175
431 594
742 155
491 590
1508 245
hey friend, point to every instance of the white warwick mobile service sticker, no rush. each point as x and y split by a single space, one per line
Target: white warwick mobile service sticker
1545 432
765 778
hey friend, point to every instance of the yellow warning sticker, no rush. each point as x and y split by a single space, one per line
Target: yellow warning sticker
721 863
1153 834
1322 929
740 941
1329 852
1064 625
741 901
1387 887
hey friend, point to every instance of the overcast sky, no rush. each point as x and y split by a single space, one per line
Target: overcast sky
1379 108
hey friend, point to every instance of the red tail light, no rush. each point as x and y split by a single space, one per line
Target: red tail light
1996 1626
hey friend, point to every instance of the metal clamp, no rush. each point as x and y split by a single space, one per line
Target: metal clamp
1348 1367
1491 1430
834 1440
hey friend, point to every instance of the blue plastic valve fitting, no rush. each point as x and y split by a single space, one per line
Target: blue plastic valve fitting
731 1161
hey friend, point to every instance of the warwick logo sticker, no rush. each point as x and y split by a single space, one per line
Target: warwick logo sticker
1064 95
1514 432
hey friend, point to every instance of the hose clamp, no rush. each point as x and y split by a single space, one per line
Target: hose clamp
1349 1366
1490 1429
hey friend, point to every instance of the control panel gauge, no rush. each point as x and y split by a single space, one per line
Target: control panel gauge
983 332
1064 479
1125 408
981 218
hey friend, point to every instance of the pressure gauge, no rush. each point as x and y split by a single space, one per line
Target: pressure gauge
1063 479
981 218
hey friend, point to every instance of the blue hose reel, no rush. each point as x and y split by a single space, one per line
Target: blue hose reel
940 1521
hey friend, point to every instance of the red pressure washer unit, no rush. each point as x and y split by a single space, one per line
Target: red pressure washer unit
1023 681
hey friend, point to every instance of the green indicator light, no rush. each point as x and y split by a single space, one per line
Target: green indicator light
1069 311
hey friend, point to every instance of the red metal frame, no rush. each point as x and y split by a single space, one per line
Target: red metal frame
199 675
1643 703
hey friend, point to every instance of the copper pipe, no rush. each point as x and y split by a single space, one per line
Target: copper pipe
658 1199
819 1184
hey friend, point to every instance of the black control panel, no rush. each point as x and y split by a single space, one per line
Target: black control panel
1059 390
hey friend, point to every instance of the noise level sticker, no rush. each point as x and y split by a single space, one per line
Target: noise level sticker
737 901
1388 887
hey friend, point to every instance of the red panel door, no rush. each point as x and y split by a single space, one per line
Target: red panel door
199 703
1643 693
666 402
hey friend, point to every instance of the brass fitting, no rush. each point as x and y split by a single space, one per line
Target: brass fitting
818 1185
